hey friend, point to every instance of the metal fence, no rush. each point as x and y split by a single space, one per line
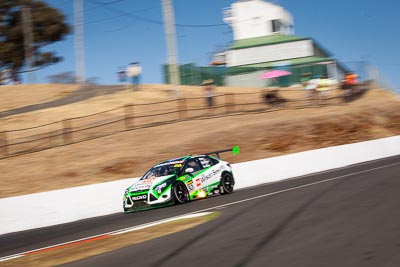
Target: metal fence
136 116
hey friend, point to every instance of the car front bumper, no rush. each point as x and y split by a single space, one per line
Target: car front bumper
131 205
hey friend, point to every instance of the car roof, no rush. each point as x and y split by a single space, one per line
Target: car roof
197 156
181 159
184 158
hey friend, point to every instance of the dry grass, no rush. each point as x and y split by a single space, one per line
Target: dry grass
16 96
84 250
129 154
147 94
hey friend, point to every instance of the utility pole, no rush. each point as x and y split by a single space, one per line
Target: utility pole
28 42
80 76
170 33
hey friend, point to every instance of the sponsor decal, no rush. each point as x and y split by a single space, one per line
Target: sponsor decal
205 162
170 163
209 188
159 188
198 182
178 165
149 180
136 198
140 186
205 177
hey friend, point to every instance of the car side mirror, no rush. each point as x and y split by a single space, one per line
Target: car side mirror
189 170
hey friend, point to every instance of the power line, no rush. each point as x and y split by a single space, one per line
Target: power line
108 7
152 21
117 16
102 4
119 28
104 19
112 2
387 64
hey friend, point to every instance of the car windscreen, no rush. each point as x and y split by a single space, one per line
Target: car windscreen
163 169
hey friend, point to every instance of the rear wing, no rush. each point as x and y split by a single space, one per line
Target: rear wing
235 151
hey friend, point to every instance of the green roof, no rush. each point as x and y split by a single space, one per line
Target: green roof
266 40
268 65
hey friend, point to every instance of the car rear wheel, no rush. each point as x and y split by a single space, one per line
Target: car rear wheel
227 183
181 194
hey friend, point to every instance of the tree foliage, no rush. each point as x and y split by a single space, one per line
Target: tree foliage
48 26
68 77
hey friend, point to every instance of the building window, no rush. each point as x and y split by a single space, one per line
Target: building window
276 25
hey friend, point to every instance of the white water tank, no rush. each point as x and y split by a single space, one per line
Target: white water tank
256 18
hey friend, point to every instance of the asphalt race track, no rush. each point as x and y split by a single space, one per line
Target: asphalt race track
344 217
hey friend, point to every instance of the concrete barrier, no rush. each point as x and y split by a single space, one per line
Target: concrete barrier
72 204
297 164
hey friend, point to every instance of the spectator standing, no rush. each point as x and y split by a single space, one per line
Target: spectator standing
134 71
311 87
351 79
323 86
209 92
352 82
305 77
121 75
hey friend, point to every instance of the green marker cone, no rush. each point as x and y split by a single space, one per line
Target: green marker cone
236 150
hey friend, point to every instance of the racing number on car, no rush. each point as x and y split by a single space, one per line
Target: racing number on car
190 186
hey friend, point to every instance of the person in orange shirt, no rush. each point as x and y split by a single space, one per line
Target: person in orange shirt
351 79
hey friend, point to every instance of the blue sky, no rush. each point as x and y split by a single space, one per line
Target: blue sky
365 30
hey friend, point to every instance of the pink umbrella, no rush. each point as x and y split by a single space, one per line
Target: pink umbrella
274 74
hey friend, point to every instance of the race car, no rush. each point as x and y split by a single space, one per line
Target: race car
180 180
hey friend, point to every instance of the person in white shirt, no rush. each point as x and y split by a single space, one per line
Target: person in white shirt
134 71
312 86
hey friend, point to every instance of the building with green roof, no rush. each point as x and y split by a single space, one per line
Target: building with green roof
263 40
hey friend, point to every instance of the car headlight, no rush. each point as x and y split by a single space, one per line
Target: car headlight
126 192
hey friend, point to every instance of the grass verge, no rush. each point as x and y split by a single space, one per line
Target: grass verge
79 251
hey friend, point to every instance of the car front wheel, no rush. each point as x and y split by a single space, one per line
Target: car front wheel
180 192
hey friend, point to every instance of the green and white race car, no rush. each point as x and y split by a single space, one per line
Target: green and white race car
180 180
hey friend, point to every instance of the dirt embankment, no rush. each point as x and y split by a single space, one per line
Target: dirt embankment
16 96
262 135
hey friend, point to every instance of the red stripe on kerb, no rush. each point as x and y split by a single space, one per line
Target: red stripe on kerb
69 244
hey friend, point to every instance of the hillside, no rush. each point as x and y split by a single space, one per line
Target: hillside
16 96
130 153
